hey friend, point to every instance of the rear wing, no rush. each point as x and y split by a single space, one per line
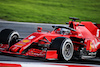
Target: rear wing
93 28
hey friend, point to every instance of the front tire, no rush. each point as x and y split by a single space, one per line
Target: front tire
8 36
64 47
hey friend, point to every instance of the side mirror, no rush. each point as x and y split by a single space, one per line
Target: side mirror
39 29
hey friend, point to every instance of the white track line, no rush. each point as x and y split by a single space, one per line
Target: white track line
42 64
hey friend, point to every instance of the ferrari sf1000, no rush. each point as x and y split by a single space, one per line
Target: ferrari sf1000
75 40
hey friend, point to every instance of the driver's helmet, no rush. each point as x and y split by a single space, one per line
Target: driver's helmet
58 30
65 31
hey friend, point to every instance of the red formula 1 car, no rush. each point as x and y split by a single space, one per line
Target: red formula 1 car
78 40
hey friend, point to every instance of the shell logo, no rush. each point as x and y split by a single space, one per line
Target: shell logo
25 41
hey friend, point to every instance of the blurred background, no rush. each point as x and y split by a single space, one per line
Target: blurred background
49 11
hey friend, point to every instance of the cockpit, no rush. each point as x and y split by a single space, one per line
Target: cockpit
63 30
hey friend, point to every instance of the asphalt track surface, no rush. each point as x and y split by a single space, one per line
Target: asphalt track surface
26 29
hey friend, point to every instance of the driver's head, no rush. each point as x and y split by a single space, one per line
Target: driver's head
58 30
65 31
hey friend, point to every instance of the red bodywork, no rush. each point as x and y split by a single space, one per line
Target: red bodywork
86 31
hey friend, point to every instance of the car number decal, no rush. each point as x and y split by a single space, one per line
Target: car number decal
97 33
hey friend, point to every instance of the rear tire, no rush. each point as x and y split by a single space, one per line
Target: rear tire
8 36
64 47
98 53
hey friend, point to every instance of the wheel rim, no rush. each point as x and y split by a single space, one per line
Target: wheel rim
67 51
13 40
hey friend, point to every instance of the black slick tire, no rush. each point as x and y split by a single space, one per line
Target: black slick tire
8 36
64 47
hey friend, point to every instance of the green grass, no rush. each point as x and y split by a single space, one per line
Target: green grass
49 11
